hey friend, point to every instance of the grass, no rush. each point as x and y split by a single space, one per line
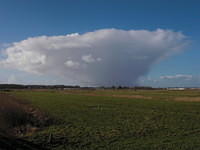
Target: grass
97 120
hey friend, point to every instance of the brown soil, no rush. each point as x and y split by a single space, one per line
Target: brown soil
188 99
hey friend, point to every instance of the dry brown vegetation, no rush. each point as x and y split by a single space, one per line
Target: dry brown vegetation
12 113
188 99
18 117
91 93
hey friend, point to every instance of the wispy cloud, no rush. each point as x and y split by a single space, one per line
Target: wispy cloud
177 80
177 76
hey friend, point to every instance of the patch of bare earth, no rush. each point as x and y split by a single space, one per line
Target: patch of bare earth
188 99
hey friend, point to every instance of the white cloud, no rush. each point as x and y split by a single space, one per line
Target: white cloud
90 59
102 57
71 64
177 76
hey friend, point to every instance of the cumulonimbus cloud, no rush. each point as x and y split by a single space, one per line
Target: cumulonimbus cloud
103 57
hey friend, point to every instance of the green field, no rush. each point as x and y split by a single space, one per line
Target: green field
117 119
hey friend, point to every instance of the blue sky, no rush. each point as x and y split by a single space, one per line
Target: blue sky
21 19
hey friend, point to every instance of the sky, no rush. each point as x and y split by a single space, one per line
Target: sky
100 42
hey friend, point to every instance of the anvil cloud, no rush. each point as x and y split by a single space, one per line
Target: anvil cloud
102 57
